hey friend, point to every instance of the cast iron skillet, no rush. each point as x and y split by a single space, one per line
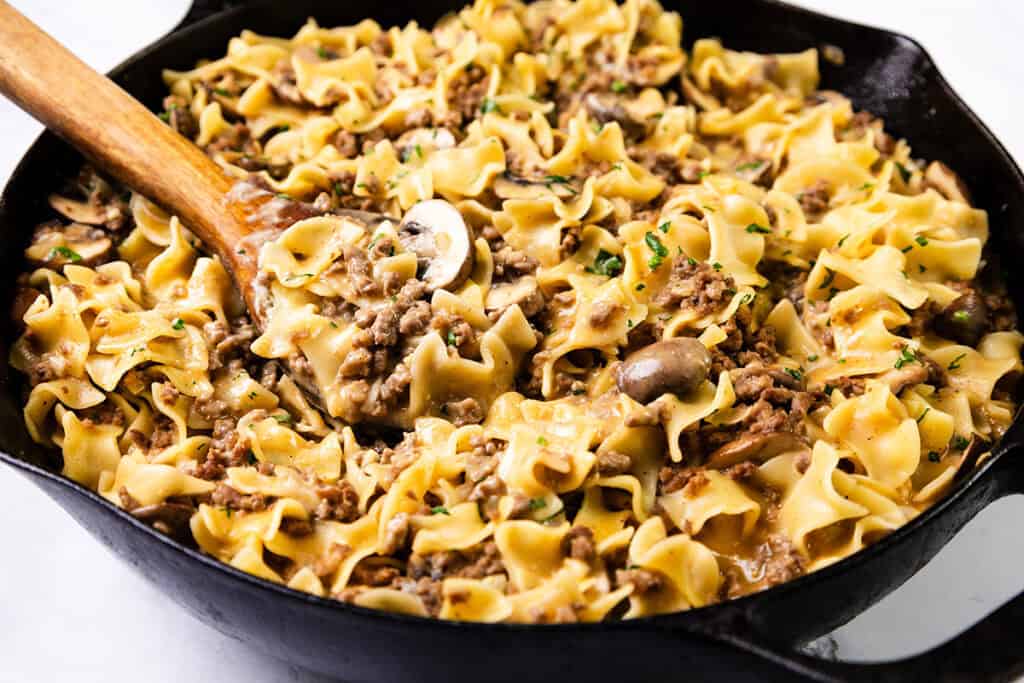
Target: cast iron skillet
753 638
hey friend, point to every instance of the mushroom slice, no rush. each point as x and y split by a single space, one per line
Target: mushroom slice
168 518
80 212
525 292
758 447
605 108
947 182
672 366
435 231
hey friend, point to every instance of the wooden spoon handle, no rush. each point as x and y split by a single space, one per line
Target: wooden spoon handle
119 135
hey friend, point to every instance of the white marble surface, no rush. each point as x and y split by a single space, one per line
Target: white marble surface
71 611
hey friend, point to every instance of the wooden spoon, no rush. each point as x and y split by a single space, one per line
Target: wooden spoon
124 139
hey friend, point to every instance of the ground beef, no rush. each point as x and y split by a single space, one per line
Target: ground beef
611 463
465 412
510 264
474 563
579 544
602 313
697 286
465 94
643 580
227 497
338 501
814 200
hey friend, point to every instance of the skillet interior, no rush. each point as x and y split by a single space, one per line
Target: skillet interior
884 73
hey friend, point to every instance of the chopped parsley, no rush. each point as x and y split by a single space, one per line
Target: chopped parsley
240 250
830 276
716 265
906 356
324 54
754 227
865 186
222 92
921 268
750 166
691 261
252 395
961 316
811 358
907 248
842 240
922 240
541 441
67 253
489 105
960 442
829 389
285 419
618 86
665 227
451 338
904 172
955 363
538 504
655 245
439 510
934 456
179 324
606 263
794 373
641 287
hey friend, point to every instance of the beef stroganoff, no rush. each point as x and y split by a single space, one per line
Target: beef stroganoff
558 321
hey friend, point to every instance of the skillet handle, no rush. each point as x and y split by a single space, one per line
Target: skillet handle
990 650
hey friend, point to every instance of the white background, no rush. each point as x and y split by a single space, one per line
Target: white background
71 611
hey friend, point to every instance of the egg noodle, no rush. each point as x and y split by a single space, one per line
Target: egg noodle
465 433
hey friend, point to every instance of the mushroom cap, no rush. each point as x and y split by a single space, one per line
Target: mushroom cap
671 366
523 291
754 446
435 231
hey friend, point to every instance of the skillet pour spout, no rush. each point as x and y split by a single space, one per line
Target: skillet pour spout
752 638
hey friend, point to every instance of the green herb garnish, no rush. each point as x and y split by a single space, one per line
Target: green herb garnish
906 356
439 510
618 86
955 363
179 324
655 245
69 254
754 227
606 263
489 105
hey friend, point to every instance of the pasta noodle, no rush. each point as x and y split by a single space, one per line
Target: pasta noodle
562 322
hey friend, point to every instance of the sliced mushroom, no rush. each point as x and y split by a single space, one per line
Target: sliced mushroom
435 231
605 108
525 292
672 366
909 375
755 447
947 182
80 212
965 320
168 518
